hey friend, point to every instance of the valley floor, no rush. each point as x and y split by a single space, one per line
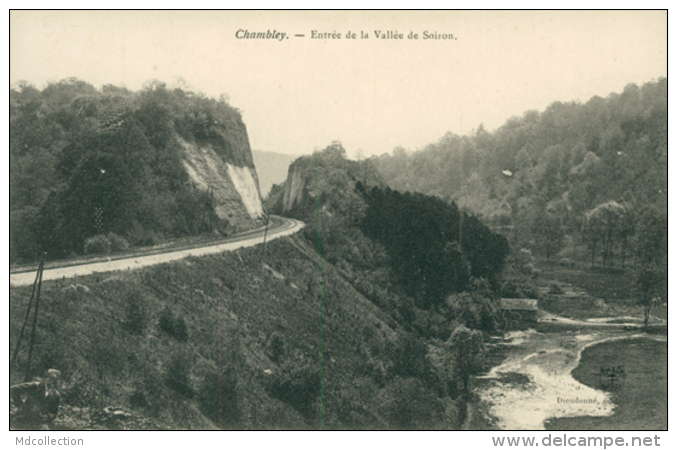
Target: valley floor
588 367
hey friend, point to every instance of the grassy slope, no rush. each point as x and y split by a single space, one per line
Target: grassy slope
641 404
264 323
605 293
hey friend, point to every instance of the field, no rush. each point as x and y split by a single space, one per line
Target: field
565 357
641 400
591 293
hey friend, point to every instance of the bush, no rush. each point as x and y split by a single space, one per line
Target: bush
409 405
555 289
139 236
475 312
175 327
117 243
217 397
299 387
409 358
23 240
177 375
517 285
97 245
136 315
276 348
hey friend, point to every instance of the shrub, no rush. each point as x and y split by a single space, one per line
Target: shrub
409 358
299 387
136 314
140 236
180 329
276 349
177 375
475 312
409 405
555 289
97 245
516 285
166 322
117 243
175 327
217 397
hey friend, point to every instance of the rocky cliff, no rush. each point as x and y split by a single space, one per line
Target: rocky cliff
294 188
327 172
226 168
146 166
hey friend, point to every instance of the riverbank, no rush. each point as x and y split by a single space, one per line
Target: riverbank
635 372
535 386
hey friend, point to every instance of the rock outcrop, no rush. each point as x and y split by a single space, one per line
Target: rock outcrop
226 168
294 186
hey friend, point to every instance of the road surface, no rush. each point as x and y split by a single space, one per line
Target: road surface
25 277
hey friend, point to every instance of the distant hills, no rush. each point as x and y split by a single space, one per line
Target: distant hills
271 168
595 172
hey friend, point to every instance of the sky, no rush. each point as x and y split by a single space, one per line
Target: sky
297 94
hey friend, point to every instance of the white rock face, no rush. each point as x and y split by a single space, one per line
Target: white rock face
244 182
235 189
293 190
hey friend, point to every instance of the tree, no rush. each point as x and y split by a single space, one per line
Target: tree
604 224
547 227
652 244
649 289
467 350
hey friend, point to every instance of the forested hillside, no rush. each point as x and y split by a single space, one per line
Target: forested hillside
435 271
358 323
588 180
99 169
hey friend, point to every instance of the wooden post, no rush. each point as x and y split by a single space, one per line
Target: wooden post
28 312
265 235
35 324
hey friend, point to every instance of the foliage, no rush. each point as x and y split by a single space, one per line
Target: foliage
475 311
298 386
517 280
105 243
88 162
177 375
555 289
409 358
538 175
603 224
409 405
174 326
467 350
232 370
650 288
432 246
217 397
136 316
97 245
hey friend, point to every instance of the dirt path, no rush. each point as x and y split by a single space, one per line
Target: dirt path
535 382
289 227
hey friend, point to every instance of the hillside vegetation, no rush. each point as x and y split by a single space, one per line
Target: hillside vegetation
375 316
106 166
576 183
545 173
329 329
287 349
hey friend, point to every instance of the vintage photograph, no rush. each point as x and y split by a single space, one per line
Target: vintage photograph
338 220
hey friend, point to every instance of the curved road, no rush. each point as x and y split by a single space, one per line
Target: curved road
286 227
